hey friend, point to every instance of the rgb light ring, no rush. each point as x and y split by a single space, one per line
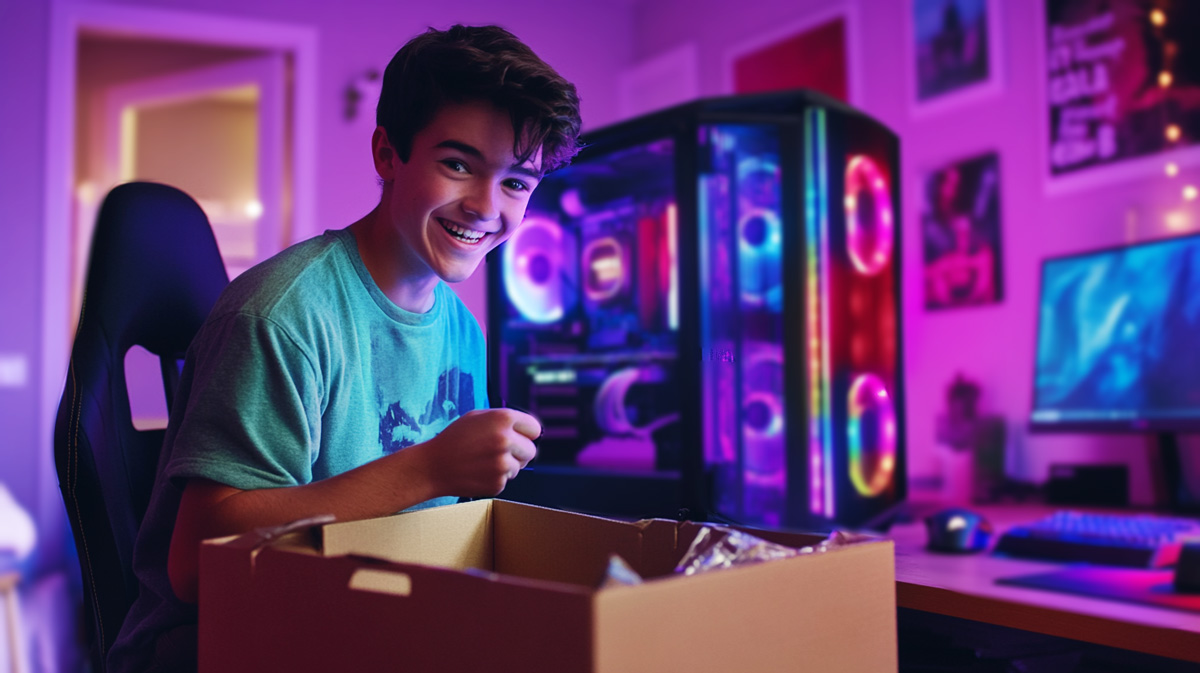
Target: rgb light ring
770 402
614 269
763 381
537 301
757 165
862 172
866 392
772 240
760 259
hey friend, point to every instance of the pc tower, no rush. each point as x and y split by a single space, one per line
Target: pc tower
703 311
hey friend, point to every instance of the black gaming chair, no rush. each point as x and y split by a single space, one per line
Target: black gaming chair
154 274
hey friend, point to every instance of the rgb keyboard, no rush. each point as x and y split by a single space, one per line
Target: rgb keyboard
1132 540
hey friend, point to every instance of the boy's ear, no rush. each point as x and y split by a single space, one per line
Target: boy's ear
383 154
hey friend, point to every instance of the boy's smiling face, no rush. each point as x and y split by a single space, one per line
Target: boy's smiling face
460 194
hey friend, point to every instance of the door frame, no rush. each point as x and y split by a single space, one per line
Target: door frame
69 19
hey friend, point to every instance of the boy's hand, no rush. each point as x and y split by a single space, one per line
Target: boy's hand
478 453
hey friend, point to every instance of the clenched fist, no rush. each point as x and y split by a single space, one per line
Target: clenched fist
478 453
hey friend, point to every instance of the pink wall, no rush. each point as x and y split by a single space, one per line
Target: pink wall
992 344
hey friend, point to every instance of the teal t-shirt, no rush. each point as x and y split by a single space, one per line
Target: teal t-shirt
303 370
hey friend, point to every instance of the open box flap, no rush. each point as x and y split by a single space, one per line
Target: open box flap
455 536
567 547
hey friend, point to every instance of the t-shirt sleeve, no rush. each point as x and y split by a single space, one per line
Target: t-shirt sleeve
253 413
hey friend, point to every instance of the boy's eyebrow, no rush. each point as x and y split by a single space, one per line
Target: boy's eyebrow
461 147
473 151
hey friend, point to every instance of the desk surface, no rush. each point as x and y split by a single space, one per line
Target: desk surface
965 587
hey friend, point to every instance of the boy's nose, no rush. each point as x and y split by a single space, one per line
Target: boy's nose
482 204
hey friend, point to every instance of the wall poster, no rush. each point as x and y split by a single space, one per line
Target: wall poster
954 52
960 233
1123 82
811 54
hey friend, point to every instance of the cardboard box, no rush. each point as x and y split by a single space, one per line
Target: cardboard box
495 585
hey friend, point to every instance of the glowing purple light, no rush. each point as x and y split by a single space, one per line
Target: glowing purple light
532 263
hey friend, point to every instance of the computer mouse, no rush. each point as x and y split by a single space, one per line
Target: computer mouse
1187 569
958 530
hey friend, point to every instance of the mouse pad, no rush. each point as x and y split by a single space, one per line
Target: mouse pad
1151 587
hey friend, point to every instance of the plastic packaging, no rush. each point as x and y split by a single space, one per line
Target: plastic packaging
619 573
717 547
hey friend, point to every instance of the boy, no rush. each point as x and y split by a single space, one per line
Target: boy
343 376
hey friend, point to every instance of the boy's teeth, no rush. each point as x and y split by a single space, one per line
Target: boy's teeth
464 234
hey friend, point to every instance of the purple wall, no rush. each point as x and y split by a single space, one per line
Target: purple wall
23 28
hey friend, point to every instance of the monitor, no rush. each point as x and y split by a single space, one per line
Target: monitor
1117 339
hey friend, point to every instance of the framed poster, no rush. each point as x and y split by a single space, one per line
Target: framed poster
810 54
960 233
1122 88
954 54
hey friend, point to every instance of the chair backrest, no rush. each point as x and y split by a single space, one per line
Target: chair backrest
154 273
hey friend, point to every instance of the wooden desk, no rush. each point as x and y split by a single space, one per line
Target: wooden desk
965 587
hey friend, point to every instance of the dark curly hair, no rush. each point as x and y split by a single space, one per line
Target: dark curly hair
468 63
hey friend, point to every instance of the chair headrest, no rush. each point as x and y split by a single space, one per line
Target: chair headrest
155 269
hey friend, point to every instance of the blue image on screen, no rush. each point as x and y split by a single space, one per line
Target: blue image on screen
1119 336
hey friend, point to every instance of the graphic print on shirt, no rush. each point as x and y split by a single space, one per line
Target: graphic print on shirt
455 396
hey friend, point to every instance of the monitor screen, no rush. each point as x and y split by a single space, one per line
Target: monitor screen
1118 340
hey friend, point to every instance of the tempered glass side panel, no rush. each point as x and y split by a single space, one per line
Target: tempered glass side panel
859 326
741 249
589 325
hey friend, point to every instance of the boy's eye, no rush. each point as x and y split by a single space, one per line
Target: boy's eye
455 165
517 185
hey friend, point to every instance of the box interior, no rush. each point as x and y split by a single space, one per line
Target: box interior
524 541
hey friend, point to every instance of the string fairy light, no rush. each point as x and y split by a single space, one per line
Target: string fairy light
1171 131
1158 19
1177 220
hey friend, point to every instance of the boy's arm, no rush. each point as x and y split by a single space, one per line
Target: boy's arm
474 456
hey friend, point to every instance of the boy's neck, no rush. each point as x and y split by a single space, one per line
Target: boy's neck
389 262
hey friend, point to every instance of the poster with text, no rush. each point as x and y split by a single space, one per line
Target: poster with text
960 233
1123 81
